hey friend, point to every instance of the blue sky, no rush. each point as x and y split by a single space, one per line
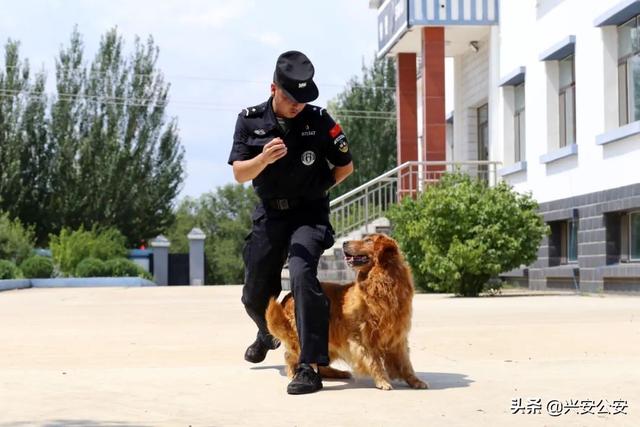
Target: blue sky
218 55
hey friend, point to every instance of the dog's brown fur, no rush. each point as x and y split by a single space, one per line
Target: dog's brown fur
369 321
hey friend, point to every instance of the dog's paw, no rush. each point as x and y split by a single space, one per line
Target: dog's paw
384 385
419 384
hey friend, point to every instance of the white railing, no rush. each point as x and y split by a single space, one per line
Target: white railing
360 206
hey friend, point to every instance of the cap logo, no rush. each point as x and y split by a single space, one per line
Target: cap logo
301 85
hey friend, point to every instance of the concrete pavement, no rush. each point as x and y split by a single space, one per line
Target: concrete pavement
172 356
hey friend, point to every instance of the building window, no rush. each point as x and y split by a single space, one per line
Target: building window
563 242
623 237
567 101
634 236
483 140
629 72
519 122
483 132
572 241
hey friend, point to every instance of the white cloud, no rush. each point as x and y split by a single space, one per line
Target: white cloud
270 39
223 14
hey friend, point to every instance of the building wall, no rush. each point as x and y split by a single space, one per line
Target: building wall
471 72
598 266
471 88
524 34
591 186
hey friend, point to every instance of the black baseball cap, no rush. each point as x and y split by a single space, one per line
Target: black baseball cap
294 74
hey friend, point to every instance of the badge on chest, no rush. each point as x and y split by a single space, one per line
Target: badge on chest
308 158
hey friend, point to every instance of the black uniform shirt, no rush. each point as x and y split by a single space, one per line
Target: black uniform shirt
314 143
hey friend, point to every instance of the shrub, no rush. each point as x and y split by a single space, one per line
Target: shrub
16 241
8 270
91 267
37 267
122 267
145 274
460 232
71 247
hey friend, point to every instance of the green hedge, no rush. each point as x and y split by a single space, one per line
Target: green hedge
122 267
8 270
37 267
71 247
91 267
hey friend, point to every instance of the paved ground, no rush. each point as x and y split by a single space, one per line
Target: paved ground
173 356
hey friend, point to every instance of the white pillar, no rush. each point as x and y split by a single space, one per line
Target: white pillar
160 246
196 257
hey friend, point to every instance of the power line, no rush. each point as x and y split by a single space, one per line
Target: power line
217 79
150 101
212 107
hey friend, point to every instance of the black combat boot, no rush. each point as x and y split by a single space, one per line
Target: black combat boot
257 351
306 380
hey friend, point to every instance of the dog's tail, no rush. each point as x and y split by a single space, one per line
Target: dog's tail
279 325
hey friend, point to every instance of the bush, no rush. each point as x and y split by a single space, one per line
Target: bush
16 241
37 267
8 270
91 267
71 247
122 267
461 232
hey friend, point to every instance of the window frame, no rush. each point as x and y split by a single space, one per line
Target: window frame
562 101
565 242
626 114
572 227
483 172
519 119
482 124
630 215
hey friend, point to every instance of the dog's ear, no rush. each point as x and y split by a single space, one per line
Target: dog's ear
384 249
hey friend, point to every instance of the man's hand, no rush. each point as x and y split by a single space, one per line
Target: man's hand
245 170
273 150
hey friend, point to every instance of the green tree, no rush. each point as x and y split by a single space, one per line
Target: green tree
119 161
461 232
102 152
366 112
25 152
225 217
13 81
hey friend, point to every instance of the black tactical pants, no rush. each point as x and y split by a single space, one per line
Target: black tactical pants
302 234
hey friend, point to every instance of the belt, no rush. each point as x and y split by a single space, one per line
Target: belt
283 204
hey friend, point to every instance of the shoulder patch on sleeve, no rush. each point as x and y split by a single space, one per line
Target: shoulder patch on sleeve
335 131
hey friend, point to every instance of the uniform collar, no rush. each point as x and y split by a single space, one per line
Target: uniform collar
270 116
270 120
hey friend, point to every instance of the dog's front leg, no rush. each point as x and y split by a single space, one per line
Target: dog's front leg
379 373
371 364
291 359
399 360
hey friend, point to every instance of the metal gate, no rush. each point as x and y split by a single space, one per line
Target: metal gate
179 269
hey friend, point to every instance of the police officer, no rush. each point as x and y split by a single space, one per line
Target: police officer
294 153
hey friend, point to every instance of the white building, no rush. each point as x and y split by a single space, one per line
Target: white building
551 89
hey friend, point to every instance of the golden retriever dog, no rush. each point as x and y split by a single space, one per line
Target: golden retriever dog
370 318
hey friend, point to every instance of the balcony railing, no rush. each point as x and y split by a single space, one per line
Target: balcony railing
360 206
395 17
